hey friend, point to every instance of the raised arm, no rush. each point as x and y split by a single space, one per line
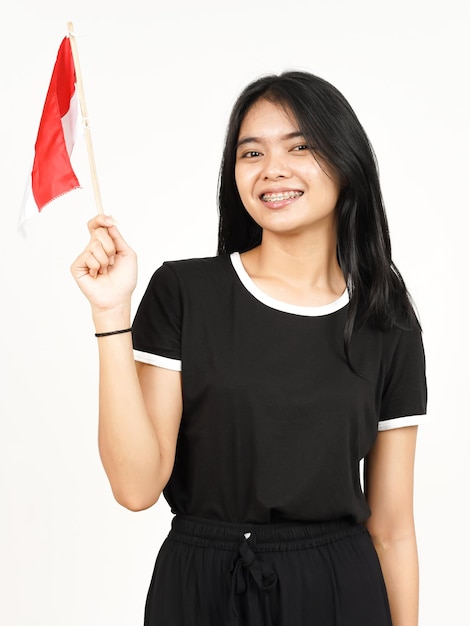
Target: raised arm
139 408
389 490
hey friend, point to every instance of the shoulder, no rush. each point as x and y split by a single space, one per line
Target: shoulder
190 277
392 337
404 342
177 287
197 266
195 273
391 354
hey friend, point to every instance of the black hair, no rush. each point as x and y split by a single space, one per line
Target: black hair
378 294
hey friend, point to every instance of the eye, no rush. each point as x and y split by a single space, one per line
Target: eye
301 148
250 154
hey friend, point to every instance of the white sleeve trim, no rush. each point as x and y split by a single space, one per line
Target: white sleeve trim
157 360
400 422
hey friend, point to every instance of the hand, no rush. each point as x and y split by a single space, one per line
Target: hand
106 271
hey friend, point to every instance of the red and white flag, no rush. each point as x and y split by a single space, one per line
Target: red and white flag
52 174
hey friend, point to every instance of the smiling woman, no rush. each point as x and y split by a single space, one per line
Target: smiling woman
264 376
286 190
280 180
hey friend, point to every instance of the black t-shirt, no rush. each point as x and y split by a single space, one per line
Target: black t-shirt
275 422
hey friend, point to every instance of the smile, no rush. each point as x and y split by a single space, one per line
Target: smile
279 197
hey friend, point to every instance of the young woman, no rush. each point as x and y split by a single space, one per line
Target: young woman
264 376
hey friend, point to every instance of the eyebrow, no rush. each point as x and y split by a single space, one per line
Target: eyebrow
246 140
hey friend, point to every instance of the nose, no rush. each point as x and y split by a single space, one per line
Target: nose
275 167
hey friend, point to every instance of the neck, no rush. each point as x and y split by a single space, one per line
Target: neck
304 261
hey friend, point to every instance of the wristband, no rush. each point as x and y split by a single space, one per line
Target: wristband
114 332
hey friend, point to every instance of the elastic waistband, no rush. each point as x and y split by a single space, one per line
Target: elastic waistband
266 537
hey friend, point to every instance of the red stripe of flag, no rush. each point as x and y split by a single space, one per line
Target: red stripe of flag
52 173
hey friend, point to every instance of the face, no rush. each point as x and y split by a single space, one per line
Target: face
284 188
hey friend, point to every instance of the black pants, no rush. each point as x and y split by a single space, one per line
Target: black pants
217 574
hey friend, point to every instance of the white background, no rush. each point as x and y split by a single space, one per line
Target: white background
160 79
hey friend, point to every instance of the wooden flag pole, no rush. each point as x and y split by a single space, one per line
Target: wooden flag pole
83 108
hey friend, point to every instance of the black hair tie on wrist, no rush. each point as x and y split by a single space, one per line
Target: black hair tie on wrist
114 332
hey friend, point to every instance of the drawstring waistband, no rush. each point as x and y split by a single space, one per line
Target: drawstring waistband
248 567
248 563
269 537
251 578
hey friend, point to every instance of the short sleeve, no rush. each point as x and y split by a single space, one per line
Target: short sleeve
156 330
404 398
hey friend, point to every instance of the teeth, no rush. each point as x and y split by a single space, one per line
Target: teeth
278 197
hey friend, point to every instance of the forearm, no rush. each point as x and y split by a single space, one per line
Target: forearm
399 562
128 443
130 435
389 472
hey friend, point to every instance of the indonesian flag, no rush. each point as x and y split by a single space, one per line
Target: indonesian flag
52 174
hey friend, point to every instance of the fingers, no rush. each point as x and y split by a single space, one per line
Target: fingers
101 250
106 270
87 264
104 228
100 221
100 256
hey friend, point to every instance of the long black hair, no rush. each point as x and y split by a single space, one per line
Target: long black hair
377 291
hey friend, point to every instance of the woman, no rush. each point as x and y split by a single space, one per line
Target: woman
264 375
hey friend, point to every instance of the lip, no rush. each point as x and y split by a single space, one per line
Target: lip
280 203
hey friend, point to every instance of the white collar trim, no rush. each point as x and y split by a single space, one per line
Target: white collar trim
309 311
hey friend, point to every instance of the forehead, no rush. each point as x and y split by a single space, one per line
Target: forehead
266 119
